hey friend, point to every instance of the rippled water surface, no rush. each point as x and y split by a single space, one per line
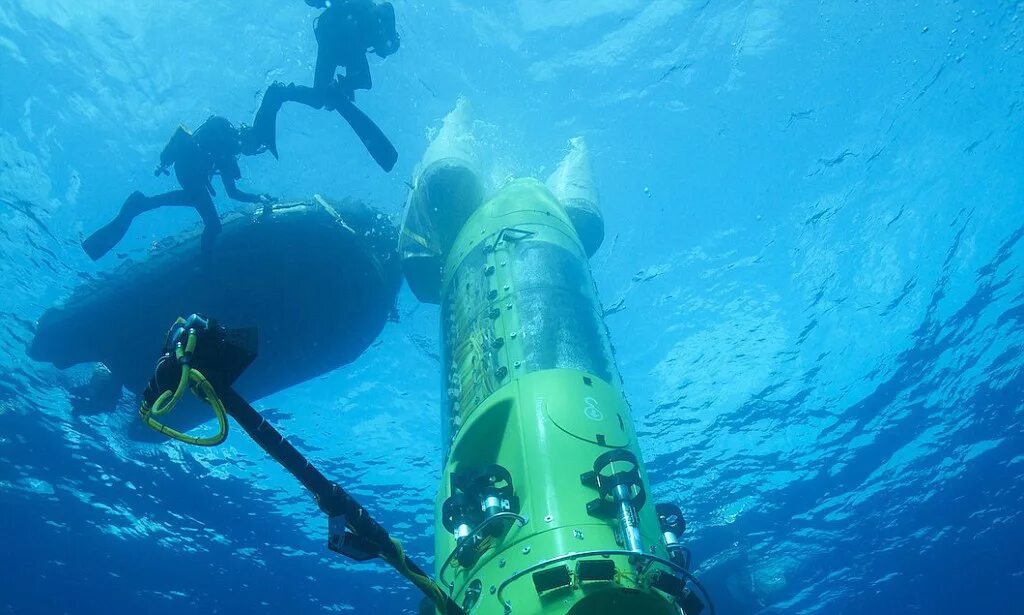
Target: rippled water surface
812 276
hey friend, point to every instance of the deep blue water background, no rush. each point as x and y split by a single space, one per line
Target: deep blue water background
815 215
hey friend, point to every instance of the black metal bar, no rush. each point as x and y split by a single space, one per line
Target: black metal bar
330 497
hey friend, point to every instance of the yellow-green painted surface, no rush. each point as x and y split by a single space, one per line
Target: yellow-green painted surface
532 386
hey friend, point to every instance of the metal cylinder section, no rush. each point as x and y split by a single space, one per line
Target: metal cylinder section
539 434
518 298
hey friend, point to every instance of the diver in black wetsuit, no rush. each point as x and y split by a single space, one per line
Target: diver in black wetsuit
345 32
211 150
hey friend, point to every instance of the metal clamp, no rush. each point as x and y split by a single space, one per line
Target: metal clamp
341 540
471 537
507 233
616 486
620 493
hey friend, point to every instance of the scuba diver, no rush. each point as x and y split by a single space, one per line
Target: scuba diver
345 32
212 149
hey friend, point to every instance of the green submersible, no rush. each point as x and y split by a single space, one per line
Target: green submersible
544 505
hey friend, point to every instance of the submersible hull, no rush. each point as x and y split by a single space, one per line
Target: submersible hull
318 279
543 506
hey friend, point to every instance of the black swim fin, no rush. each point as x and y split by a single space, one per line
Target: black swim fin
104 240
264 125
369 133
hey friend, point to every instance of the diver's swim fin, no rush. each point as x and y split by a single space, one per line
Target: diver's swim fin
265 122
104 240
369 133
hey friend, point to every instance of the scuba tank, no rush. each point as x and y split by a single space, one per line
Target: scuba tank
217 137
216 134
181 143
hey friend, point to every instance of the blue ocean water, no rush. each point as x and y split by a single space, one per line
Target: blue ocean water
812 279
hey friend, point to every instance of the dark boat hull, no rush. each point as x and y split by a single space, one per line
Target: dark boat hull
318 280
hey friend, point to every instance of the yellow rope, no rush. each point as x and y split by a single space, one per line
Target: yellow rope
190 379
428 585
194 379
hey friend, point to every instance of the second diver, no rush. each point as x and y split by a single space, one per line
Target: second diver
345 32
211 150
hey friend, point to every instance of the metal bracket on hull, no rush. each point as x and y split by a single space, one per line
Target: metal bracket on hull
511 233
